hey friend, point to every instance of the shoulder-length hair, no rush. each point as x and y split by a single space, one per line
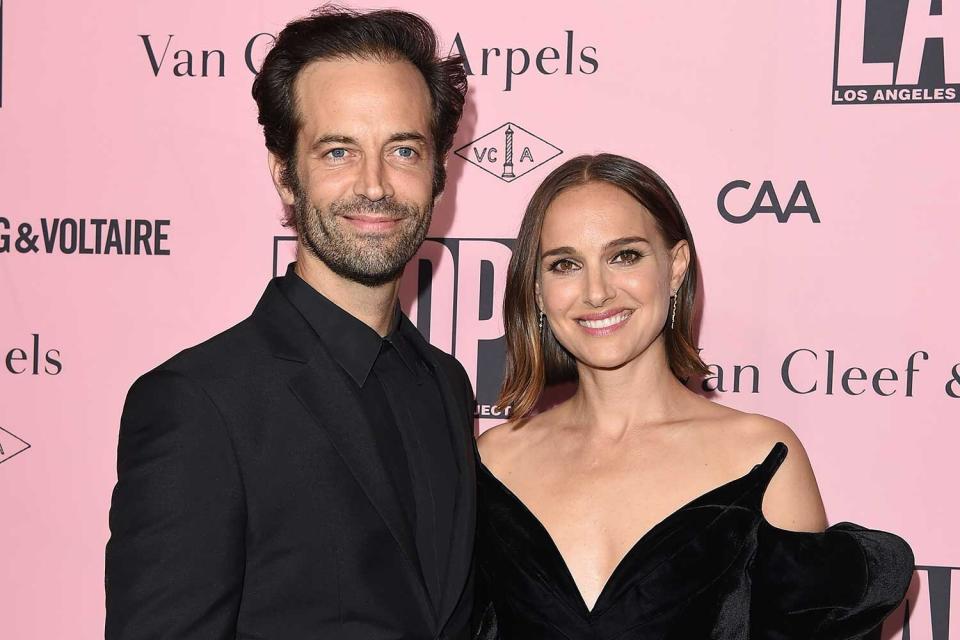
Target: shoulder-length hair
533 361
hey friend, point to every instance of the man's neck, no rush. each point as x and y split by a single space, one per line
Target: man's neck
371 305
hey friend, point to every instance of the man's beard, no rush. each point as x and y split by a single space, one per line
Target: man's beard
371 260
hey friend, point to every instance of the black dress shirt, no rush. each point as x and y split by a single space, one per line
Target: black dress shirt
401 398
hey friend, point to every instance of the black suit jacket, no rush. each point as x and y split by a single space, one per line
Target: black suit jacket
251 501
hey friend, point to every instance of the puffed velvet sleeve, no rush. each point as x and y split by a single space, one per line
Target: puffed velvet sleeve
835 585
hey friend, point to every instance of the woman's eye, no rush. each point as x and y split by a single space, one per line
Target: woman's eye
628 256
563 265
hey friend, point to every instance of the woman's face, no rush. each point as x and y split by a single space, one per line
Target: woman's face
605 275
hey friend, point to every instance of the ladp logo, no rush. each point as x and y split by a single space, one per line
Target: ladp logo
508 152
11 445
453 291
897 51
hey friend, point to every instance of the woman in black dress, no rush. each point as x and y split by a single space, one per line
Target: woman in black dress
637 509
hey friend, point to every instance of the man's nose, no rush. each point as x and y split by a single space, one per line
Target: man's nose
372 182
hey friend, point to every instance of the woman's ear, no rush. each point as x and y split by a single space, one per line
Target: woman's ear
680 254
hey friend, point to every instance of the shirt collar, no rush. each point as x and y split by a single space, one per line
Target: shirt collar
400 341
353 344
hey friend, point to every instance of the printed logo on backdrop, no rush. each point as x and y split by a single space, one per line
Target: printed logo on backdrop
170 56
934 594
827 372
739 202
896 52
452 291
94 236
566 60
508 152
32 360
11 445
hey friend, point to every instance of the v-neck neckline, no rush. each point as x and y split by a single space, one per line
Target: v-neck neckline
599 605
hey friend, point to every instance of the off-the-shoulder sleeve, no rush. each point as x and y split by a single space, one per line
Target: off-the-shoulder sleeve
835 585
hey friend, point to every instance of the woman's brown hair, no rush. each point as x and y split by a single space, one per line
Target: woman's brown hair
534 361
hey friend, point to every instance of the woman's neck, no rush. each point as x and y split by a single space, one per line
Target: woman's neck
642 392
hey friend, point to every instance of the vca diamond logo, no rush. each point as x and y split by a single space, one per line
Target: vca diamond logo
508 152
10 445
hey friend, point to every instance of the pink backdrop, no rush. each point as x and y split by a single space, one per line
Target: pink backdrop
92 128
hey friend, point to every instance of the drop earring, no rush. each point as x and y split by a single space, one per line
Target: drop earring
673 310
540 323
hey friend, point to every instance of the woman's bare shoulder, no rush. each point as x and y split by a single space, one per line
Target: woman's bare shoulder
495 441
754 435
505 442
792 500
739 436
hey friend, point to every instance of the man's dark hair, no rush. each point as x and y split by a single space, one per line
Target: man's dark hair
332 32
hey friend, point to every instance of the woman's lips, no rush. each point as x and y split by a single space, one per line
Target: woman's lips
604 324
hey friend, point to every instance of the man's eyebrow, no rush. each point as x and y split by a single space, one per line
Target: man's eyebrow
332 139
404 136
401 136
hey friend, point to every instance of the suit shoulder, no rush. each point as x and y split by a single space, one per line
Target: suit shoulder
450 365
227 352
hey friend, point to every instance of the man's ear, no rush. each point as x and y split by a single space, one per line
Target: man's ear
276 173
437 197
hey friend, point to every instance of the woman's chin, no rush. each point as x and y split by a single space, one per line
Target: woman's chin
606 362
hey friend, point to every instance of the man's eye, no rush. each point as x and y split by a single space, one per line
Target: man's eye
406 152
628 256
337 154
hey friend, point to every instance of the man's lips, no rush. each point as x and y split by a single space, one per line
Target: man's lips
372 223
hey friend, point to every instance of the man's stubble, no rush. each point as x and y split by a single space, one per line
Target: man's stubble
371 260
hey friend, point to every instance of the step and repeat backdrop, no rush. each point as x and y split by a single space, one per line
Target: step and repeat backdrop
812 146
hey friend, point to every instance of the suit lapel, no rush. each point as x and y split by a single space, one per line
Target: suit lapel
460 423
324 390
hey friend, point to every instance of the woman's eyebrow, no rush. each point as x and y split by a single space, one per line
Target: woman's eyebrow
557 251
619 242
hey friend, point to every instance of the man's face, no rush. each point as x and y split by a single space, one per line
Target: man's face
362 178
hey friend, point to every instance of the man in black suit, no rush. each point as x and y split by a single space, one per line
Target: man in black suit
309 473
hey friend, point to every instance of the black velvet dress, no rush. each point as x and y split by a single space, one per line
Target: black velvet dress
715 568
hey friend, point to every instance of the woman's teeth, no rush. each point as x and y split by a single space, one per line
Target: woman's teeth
606 322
